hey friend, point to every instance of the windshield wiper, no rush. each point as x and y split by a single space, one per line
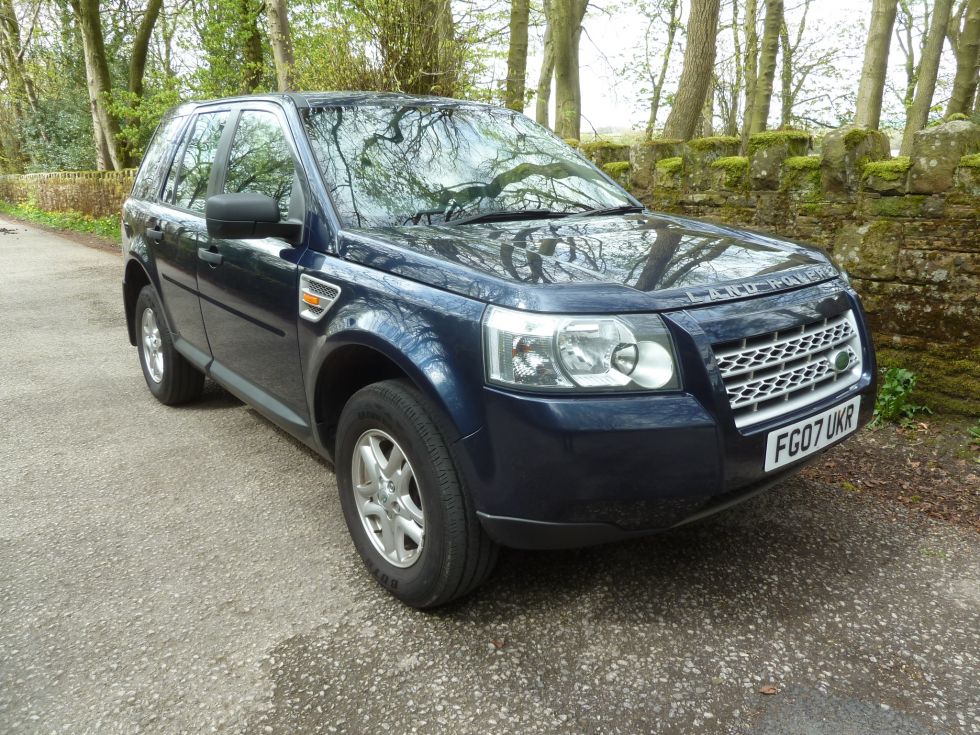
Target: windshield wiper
622 209
507 215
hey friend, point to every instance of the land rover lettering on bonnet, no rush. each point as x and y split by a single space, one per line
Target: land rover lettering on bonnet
492 342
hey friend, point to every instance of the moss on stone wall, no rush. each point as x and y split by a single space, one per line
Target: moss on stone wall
971 161
948 381
856 137
772 138
712 142
735 170
656 143
616 168
573 142
670 166
909 205
802 163
891 170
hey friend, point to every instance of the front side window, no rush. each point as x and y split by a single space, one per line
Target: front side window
398 165
260 160
195 168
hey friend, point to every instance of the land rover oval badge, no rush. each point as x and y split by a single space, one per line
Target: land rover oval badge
840 361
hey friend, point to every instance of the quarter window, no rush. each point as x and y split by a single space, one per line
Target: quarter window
195 168
260 160
147 184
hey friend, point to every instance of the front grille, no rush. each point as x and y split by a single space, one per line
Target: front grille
777 373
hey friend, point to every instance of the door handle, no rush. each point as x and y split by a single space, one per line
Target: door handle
209 256
154 233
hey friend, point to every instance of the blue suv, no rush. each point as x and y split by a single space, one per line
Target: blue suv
491 340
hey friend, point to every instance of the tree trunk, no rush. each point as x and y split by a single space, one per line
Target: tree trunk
105 127
875 69
967 62
707 126
786 78
751 64
696 74
543 93
762 96
252 50
141 46
731 113
658 83
282 44
918 114
566 29
520 11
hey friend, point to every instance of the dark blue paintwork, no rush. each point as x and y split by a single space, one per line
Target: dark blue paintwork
542 470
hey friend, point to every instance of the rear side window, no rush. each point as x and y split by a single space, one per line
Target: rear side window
260 160
147 184
191 188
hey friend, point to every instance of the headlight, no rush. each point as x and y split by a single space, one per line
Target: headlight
569 353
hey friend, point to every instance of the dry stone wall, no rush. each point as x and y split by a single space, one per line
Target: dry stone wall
95 193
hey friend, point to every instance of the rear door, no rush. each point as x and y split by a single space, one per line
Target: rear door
179 230
249 298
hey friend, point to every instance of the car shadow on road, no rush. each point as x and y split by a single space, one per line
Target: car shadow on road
772 557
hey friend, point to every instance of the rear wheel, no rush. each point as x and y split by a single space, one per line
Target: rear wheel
169 376
411 520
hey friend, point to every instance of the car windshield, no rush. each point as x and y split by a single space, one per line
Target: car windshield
391 165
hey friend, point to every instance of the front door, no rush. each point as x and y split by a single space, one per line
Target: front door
249 288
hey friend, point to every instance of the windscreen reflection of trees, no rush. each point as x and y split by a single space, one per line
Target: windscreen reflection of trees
404 165
192 185
260 160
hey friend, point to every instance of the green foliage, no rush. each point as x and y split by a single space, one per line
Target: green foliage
891 170
141 114
894 402
107 227
974 432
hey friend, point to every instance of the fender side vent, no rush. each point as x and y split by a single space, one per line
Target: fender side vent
315 297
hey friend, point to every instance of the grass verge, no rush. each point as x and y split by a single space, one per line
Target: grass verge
107 227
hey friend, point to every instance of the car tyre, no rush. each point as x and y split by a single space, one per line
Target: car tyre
169 376
410 517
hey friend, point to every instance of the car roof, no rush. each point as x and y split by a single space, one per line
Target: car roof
334 99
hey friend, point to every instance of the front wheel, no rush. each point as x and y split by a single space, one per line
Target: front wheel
169 376
409 516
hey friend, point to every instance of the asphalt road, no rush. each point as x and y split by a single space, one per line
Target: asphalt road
188 570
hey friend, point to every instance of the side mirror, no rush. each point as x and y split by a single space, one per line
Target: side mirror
248 215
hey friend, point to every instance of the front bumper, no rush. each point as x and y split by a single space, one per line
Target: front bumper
556 472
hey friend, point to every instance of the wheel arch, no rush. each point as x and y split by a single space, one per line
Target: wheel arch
135 278
354 361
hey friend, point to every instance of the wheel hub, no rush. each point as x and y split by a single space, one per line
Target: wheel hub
387 497
152 345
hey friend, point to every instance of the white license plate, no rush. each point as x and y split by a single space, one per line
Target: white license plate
793 442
